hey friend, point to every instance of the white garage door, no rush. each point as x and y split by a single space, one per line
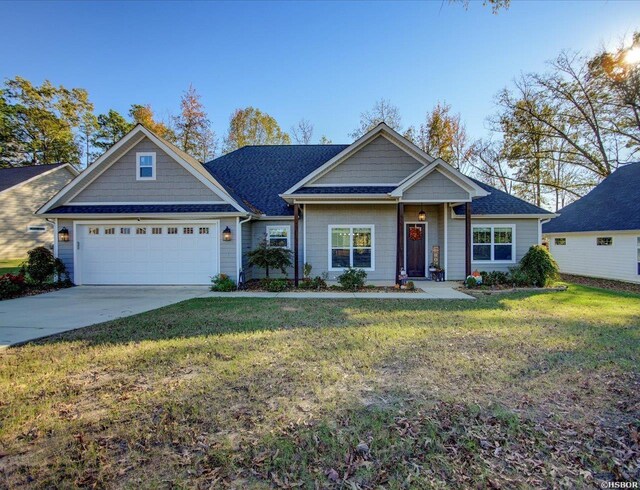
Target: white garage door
147 253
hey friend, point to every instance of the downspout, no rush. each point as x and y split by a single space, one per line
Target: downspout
239 247
540 223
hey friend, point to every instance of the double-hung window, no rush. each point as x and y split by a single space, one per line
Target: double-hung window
351 246
278 236
494 243
145 166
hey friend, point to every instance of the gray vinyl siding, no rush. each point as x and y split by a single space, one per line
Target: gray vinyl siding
228 264
17 208
118 182
383 217
258 233
247 245
526 235
436 186
379 162
65 249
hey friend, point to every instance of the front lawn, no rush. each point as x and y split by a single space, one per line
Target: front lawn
10 265
513 391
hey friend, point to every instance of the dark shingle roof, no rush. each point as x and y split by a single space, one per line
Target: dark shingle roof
15 175
258 174
143 208
346 190
499 202
614 204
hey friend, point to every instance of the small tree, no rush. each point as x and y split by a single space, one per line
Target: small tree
539 266
267 257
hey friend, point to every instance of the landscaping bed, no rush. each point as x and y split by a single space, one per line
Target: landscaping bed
257 285
602 283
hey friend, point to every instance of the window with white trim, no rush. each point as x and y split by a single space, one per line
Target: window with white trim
187 230
156 230
125 231
203 230
278 236
351 246
145 166
172 230
140 230
94 231
604 241
493 243
36 228
560 241
109 231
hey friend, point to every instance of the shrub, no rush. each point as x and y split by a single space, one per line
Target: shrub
267 257
41 264
306 270
539 266
470 282
274 285
61 273
495 278
410 285
222 283
11 285
320 282
352 279
519 278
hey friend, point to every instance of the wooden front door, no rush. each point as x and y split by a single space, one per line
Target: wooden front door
415 247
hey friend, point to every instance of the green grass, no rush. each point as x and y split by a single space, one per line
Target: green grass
10 265
514 391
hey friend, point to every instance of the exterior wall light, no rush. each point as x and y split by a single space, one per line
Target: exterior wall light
422 216
226 234
63 234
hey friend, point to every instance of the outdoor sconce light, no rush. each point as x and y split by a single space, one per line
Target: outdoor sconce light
63 234
226 234
422 216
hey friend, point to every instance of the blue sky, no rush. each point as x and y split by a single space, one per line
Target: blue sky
326 62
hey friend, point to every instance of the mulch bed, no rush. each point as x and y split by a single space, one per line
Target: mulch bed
255 286
35 290
610 284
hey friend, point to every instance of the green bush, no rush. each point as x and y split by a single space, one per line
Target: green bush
495 278
471 282
11 285
410 285
539 266
274 285
222 283
352 279
61 273
519 278
41 264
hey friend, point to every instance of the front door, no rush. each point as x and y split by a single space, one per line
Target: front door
416 236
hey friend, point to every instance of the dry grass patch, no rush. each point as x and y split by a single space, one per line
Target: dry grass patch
513 391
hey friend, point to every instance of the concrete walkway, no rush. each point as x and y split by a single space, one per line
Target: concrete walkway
46 314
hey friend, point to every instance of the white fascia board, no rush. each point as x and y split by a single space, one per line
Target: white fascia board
131 216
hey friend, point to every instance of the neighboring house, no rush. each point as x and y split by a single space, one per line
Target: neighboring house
147 213
599 234
22 191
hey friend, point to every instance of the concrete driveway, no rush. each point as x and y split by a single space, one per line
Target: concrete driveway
32 317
